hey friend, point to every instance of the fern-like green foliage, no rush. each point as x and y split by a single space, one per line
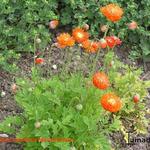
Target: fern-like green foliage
53 103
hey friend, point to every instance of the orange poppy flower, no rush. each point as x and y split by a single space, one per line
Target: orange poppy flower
95 46
86 44
80 35
112 12
101 81
111 102
90 47
65 40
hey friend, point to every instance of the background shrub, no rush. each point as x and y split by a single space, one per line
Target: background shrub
22 20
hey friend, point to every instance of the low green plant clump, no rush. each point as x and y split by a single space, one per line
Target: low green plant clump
8 60
69 107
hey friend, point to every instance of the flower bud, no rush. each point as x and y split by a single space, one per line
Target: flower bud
79 107
53 24
86 27
38 40
136 98
133 25
37 125
104 28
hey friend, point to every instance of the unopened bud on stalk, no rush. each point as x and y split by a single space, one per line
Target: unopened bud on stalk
37 125
133 25
72 148
104 28
38 40
79 107
53 24
136 98
86 27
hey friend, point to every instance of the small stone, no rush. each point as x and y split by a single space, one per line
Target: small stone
3 94
54 67
4 135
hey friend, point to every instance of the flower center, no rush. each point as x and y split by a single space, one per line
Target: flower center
111 101
80 35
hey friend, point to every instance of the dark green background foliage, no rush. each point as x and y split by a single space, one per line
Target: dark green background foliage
22 20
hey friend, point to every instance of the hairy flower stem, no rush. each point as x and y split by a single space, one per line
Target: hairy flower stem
67 60
34 50
95 62
97 55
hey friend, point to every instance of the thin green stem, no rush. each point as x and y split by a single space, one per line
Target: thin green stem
97 55
67 58
106 32
95 62
34 49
